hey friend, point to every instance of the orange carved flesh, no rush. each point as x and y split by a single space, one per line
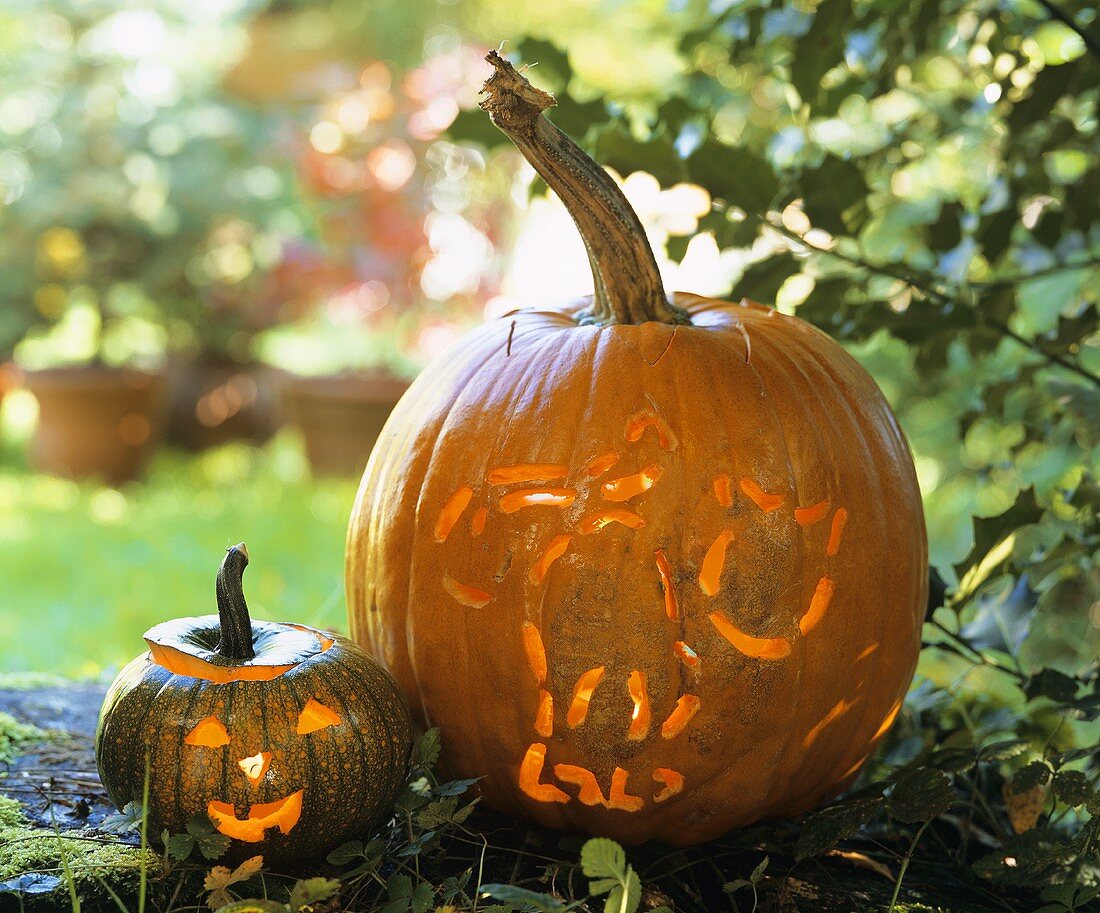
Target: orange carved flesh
766 502
641 715
838 710
553 552
316 716
582 695
536 653
722 490
593 523
888 720
808 516
756 647
686 707
673 782
465 594
208 733
598 465
619 797
477 521
672 607
530 770
544 716
819 602
451 512
637 424
283 814
536 497
590 793
687 656
627 487
836 531
255 767
710 576
527 472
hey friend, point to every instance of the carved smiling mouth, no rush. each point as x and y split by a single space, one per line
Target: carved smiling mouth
283 814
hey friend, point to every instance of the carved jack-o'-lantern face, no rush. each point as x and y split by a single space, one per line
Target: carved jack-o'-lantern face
288 751
655 564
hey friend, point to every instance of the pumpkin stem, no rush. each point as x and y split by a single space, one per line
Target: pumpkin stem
236 639
627 282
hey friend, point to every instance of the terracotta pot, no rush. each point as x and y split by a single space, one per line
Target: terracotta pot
340 417
96 421
213 399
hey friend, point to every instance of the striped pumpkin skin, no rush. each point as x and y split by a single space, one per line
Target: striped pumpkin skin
348 772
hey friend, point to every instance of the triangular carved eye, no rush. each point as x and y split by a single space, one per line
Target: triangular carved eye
209 733
316 716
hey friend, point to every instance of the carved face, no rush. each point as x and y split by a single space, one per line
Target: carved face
650 580
288 754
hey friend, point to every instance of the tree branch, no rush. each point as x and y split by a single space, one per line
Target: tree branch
925 287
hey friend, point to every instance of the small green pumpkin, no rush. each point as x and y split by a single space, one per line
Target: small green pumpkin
290 739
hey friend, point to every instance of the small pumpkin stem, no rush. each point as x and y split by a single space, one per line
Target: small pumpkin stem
236 625
627 282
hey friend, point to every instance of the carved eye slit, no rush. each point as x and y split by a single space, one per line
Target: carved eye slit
315 716
582 695
451 512
208 733
535 497
627 487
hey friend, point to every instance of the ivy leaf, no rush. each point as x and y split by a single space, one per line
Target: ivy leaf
1071 787
919 795
124 822
822 830
312 890
30 883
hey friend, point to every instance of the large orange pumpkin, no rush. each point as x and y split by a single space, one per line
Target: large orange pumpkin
656 568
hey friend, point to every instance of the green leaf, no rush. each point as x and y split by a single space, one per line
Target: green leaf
1052 684
822 830
1004 751
543 903
1072 787
615 147
427 749
1037 773
738 176
312 890
603 858
455 787
626 897
919 795
123 822
352 851
213 846
423 898
821 48
834 196
472 125
178 846
762 280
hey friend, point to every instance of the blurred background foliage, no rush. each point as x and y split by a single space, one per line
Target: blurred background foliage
311 185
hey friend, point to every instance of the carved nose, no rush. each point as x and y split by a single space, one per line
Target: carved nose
255 767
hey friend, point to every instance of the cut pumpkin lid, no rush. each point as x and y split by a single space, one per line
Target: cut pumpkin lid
188 646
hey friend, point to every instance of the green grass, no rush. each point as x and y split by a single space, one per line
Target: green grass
86 569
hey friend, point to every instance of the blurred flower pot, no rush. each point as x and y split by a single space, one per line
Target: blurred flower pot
214 399
341 416
96 421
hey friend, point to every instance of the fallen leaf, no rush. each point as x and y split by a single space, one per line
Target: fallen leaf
864 862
